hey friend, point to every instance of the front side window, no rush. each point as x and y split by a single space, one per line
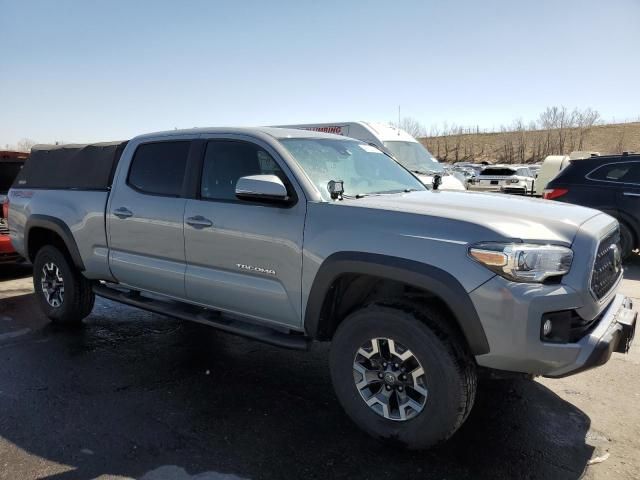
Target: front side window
413 156
158 168
627 172
363 168
225 161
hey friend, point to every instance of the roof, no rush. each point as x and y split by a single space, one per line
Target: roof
389 133
602 159
382 131
274 132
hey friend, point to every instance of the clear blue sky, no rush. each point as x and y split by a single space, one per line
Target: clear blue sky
97 70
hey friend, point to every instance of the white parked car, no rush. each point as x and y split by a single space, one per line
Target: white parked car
408 151
505 178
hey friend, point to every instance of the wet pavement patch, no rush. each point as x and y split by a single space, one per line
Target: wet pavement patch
132 388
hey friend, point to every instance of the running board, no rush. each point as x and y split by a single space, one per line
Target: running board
201 315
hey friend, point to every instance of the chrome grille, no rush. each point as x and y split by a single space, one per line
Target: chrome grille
607 267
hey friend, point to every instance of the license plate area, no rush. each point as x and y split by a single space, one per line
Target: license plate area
494 182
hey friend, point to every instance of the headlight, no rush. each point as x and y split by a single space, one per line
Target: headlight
523 262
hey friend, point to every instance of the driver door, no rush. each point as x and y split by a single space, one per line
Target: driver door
244 257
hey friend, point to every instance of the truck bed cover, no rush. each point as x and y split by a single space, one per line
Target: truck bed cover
74 166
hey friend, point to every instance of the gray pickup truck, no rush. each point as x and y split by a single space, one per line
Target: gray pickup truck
290 236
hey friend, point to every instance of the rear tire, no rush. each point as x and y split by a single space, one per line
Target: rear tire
441 398
64 294
627 241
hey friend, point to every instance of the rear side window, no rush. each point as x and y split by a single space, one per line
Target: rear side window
626 172
158 168
226 161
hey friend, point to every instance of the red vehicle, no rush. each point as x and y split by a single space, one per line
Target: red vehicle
10 165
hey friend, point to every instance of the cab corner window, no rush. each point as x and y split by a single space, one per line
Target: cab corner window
159 168
226 161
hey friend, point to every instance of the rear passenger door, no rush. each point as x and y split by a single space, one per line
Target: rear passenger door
145 219
244 257
628 197
623 180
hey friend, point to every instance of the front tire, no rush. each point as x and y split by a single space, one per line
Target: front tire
64 294
626 241
402 374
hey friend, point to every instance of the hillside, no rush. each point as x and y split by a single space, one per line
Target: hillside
533 145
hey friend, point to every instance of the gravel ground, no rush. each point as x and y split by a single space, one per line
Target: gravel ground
136 395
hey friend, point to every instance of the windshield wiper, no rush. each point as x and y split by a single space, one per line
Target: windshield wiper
357 196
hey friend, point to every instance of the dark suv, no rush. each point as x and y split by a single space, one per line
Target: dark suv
609 183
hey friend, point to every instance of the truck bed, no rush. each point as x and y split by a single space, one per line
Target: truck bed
80 214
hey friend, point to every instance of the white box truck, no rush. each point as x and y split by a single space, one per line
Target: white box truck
408 151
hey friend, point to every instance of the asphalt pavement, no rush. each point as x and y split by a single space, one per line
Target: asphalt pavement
131 394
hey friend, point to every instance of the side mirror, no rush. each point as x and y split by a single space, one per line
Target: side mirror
437 181
261 188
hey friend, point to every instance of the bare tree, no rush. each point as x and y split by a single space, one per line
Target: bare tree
412 126
25 145
586 121
520 141
619 148
557 130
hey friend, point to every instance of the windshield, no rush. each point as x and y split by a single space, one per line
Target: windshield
413 156
8 172
364 169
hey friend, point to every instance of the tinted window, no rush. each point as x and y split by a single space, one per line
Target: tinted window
158 168
226 161
627 172
8 172
498 171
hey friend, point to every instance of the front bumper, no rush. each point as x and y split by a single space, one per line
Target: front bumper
619 329
511 316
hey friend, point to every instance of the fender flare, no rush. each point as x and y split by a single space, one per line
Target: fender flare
432 279
58 227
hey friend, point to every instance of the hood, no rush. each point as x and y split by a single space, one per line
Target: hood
510 217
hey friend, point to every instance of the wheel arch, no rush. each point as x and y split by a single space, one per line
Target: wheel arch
327 306
627 219
43 230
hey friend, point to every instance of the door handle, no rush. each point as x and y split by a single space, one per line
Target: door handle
122 212
199 222
630 194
